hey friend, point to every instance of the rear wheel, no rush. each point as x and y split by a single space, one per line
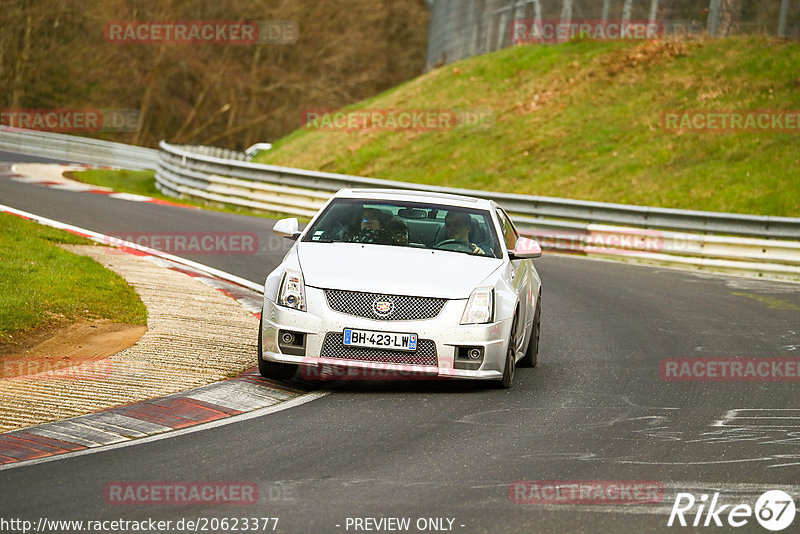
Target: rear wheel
532 352
278 371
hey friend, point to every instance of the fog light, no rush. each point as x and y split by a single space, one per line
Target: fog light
292 343
468 358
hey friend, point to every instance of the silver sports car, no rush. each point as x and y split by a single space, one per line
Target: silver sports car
402 284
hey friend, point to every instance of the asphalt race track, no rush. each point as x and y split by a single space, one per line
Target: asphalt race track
596 408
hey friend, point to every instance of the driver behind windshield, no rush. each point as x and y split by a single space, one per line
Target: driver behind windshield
457 224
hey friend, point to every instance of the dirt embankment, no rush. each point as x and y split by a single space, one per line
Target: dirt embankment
54 348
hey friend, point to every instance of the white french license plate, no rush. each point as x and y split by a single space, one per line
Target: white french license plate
380 340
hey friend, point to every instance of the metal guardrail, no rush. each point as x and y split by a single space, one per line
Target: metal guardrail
186 168
77 149
752 244
737 243
216 151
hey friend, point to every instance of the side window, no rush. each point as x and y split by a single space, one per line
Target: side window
510 234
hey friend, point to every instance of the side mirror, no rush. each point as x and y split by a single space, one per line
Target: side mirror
526 248
288 228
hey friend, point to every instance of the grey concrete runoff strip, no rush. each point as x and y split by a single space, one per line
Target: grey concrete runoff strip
201 332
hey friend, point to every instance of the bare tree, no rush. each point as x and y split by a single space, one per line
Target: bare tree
653 11
566 12
782 19
626 11
722 15
53 54
730 14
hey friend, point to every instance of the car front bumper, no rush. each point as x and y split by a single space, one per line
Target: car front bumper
444 331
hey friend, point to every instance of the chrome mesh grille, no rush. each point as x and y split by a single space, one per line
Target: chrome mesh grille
405 308
333 347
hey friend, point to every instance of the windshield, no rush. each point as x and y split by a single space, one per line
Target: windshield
407 224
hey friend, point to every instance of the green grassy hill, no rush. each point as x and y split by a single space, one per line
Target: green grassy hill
582 120
42 284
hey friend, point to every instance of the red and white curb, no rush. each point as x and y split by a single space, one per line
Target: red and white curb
55 180
245 396
247 393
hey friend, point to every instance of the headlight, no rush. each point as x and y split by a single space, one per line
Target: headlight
480 307
292 293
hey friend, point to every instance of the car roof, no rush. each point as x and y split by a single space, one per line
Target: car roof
416 196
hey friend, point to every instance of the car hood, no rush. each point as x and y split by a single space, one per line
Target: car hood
393 270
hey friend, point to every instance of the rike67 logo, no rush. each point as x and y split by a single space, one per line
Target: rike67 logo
774 510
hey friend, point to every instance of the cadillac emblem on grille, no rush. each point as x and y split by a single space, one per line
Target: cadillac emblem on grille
382 307
400 307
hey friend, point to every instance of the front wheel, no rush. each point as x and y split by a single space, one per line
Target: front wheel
508 369
278 371
532 352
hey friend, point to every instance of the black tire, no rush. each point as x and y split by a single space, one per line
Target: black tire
277 371
532 352
508 370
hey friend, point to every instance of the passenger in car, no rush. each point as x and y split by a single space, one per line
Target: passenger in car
399 230
372 229
457 224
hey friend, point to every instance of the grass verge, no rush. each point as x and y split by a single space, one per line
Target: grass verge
42 284
582 120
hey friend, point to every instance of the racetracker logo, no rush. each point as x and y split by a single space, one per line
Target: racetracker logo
774 121
71 119
367 371
622 241
52 369
190 242
396 120
774 510
523 31
244 32
585 492
730 369
181 493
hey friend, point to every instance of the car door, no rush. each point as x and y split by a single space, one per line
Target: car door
520 276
